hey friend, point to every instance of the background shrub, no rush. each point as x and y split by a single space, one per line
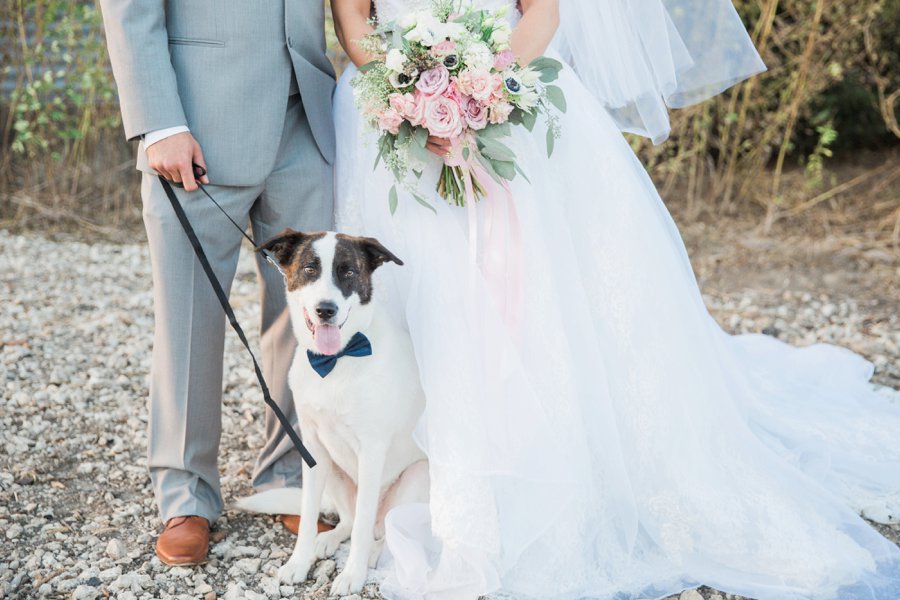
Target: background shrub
830 93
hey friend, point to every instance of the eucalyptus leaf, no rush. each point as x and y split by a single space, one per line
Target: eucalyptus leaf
421 200
489 167
551 142
549 75
419 153
392 199
557 97
368 66
496 150
384 147
544 62
529 119
522 173
496 131
420 135
505 169
404 133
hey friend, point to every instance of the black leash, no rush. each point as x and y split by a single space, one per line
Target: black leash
226 306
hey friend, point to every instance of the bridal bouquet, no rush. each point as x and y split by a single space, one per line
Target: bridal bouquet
450 73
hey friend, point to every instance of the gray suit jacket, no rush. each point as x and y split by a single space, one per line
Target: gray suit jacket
223 68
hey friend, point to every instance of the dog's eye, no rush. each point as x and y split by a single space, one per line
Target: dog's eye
310 270
349 273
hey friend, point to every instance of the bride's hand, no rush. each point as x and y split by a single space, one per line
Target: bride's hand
437 145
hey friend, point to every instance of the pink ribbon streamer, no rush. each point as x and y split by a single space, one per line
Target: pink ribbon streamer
501 260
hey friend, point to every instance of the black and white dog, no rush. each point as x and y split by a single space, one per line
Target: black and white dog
356 388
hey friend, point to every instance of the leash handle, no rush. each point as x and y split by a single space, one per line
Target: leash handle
229 312
200 172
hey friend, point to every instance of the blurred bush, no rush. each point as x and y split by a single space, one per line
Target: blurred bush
832 87
831 91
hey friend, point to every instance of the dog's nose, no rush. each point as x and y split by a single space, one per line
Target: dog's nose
326 310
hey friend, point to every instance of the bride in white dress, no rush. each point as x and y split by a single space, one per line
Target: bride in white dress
611 441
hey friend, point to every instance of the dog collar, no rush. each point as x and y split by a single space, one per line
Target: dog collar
323 364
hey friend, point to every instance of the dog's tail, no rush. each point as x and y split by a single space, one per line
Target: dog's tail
278 501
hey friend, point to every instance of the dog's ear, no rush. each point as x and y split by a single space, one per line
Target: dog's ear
282 246
376 254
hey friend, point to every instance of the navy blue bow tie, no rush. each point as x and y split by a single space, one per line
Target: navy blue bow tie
323 364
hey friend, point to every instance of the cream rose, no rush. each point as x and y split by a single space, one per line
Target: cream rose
500 112
477 83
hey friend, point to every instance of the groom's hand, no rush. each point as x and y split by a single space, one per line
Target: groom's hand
173 158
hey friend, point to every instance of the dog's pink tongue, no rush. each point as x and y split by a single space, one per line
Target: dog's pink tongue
328 339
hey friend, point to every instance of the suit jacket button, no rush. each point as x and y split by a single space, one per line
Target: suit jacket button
290 42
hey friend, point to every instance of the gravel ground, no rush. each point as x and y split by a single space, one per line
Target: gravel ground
77 518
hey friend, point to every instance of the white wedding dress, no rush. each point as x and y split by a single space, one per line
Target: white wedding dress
611 441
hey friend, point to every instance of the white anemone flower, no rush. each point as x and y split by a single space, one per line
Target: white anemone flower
402 80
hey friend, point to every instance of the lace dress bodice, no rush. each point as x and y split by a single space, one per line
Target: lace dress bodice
390 10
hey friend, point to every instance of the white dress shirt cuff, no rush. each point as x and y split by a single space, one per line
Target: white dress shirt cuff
161 134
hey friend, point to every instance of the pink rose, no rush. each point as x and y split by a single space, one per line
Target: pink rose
390 120
434 81
417 116
443 117
404 104
504 60
475 113
410 107
500 112
443 49
452 92
498 90
477 83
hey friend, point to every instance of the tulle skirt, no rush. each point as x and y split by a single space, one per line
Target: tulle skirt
592 432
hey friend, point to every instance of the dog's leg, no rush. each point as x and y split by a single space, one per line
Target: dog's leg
342 491
296 569
368 492
410 488
375 552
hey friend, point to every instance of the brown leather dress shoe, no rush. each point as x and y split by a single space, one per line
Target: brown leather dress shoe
184 541
292 524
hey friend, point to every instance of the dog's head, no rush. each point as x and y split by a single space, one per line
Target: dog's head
329 284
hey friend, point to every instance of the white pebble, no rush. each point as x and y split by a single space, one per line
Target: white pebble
115 549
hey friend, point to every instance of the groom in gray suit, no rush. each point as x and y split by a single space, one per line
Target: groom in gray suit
244 90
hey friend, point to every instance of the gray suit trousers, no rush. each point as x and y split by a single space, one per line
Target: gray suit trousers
186 374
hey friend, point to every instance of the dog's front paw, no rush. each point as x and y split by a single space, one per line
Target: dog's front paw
327 543
350 580
375 554
294 571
